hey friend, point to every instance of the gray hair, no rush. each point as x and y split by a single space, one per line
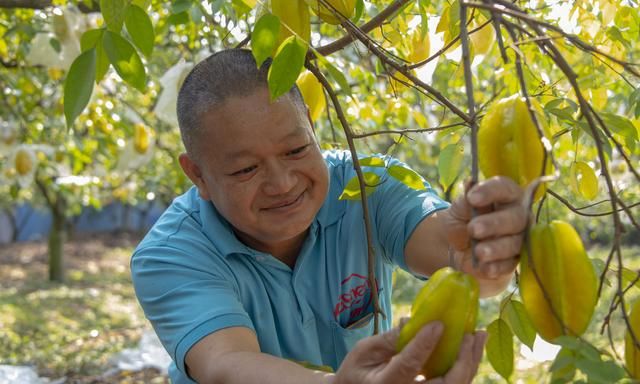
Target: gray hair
225 74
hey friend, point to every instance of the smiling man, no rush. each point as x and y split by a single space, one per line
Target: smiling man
259 267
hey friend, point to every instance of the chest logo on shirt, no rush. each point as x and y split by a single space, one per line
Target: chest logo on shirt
355 297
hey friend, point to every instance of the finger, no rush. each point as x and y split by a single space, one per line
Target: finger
501 248
406 365
496 190
403 320
508 220
478 349
462 369
498 268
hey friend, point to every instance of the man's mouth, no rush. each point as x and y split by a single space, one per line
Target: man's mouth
286 203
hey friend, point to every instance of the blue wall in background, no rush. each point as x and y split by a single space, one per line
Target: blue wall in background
34 224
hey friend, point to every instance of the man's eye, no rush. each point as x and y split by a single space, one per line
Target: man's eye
244 171
298 150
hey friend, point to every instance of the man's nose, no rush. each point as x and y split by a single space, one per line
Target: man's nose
280 178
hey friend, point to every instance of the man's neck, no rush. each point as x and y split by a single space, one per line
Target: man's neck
286 251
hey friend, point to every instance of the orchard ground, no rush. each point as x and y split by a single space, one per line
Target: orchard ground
74 330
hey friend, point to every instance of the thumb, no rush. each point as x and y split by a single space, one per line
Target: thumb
406 365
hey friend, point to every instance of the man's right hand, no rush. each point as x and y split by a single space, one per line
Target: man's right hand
374 360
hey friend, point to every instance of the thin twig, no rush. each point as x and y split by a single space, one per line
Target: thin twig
471 107
373 284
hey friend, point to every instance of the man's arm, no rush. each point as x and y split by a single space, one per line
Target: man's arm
232 355
498 230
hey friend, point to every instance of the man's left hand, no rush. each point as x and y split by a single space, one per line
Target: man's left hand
498 228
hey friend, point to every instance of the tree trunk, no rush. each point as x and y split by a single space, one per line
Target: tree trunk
57 237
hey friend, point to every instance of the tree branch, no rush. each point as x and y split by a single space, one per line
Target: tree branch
30 4
373 284
367 27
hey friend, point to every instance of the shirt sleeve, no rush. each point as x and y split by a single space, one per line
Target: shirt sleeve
185 292
397 209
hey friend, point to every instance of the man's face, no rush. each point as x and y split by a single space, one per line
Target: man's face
262 168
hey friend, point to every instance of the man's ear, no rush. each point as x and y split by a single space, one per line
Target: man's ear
194 173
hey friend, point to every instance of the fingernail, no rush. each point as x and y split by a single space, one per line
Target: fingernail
437 327
479 230
475 197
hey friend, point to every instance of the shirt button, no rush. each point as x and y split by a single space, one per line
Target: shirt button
260 258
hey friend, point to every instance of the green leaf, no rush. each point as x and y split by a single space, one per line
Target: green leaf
335 73
623 127
55 44
563 368
78 85
568 342
113 12
180 6
372 161
500 348
450 163
264 37
144 4
584 126
93 39
407 176
125 60
179 18
241 8
286 66
352 189
600 371
140 29
359 11
629 276
90 38
516 316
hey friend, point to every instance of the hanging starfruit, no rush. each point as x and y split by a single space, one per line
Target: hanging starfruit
420 46
584 180
565 303
509 143
294 18
631 352
450 297
141 138
344 7
23 162
312 93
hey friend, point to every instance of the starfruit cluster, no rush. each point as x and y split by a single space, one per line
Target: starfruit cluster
509 143
558 282
450 297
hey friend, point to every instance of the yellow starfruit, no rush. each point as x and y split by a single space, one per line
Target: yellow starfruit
312 93
631 352
294 18
584 180
509 143
344 7
450 297
141 138
564 299
23 162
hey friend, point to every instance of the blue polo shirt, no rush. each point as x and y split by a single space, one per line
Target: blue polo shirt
193 277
